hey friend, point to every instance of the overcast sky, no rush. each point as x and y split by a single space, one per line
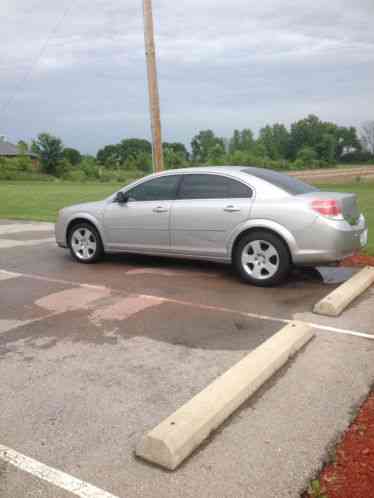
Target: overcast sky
222 65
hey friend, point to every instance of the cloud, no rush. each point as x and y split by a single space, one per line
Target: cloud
221 65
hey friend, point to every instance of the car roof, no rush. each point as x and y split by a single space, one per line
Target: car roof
244 173
208 169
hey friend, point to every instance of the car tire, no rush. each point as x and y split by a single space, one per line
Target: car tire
85 243
262 258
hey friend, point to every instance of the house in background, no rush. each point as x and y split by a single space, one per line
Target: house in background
10 150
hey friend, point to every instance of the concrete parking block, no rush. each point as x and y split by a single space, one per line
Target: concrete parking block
174 439
335 303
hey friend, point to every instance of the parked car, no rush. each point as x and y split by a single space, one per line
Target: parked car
261 221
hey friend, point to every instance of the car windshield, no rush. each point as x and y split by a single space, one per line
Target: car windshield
287 183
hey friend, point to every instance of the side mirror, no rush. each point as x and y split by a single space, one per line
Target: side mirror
121 198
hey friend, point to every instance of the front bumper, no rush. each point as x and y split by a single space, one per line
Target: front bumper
60 233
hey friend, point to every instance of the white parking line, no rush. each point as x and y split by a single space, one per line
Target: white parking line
51 475
6 275
26 227
318 326
9 243
270 318
7 325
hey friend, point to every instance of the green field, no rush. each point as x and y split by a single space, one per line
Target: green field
41 201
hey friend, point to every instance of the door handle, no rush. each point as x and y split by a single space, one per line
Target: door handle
160 209
231 209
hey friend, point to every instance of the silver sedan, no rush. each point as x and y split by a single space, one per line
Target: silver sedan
261 221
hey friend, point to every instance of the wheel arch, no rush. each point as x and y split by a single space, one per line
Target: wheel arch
272 228
81 219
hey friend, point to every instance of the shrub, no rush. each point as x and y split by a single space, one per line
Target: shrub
15 168
307 155
75 175
63 168
90 169
358 157
108 175
20 169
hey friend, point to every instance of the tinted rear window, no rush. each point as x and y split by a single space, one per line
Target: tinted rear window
287 183
204 186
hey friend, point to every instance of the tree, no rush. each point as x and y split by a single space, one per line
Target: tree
72 155
216 155
133 147
235 142
247 140
327 139
50 151
142 162
241 141
173 159
203 143
178 148
326 148
367 136
23 147
109 156
307 155
347 140
276 140
306 132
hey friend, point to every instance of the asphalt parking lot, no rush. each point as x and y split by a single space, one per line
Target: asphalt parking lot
91 357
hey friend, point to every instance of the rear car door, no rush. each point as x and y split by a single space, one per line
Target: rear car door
142 223
208 208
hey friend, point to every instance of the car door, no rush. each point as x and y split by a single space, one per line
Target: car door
207 210
143 222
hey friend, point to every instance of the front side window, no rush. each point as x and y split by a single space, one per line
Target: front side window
202 186
158 189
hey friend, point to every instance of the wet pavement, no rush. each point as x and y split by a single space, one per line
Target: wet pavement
91 356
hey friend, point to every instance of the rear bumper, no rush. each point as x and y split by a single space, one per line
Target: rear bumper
332 241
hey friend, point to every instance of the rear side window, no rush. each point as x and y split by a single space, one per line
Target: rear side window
202 186
158 189
287 183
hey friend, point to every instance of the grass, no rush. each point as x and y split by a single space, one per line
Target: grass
41 201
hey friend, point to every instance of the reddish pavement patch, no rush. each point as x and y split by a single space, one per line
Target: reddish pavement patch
351 475
358 260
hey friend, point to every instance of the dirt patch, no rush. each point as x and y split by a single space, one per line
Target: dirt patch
351 474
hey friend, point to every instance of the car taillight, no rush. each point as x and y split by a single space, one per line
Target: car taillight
327 207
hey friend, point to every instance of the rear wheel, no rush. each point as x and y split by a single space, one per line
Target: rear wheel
262 258
85 243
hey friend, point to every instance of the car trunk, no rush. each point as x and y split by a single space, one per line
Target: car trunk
347 202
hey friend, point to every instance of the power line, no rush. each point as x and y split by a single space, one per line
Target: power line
36 60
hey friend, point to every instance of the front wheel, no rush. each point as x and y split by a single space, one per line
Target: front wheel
85 243
262 258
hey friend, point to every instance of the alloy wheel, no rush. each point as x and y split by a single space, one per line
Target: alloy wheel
84 243
260 259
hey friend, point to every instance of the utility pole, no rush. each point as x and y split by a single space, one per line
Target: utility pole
154 99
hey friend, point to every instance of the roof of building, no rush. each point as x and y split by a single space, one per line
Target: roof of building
9 149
